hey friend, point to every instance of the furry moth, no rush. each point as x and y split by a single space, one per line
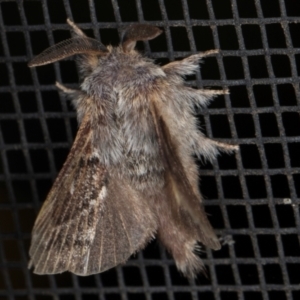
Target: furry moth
130 174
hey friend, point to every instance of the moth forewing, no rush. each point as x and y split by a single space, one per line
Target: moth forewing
184 197
130 174
90 221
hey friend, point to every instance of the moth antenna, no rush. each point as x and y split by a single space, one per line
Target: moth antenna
65 89
186 66
68 48
76 29
138 32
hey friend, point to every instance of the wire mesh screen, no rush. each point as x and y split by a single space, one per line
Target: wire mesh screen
252 198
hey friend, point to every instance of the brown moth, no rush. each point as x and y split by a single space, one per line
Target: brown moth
130 175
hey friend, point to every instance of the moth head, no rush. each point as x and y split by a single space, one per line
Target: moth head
138 32
67 48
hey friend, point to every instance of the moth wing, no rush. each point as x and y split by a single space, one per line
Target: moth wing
184 202
89 222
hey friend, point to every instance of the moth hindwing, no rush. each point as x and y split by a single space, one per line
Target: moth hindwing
130 174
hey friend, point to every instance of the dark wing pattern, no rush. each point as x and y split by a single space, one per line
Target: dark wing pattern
89 222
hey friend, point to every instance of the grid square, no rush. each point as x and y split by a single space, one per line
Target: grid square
10 131
225 275
198 9
128 11
34 132
203 33
294 150
220 126
262 216
285 215
16 160
292 8
294 29
275 35
180 40
4 75
238 216
22 73
263 95
256 186
16 43
257 67
248 274
249 32
237 72
250 157
291 123
10 13
151 10
270 8
174 9
244 125
273 274
274 154
286 95
280 186
228 38
281 65
267 245
246 9
291 245
224 11
34 12
80 15
231 187
22 191
268 125
243 246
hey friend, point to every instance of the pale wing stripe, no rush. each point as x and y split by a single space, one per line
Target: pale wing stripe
77 224
90 229
97 218
114 239
101 249
125 229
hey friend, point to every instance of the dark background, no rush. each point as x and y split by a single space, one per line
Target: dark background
252 198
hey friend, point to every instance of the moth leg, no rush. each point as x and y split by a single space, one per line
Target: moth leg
210 149
65 89
76 96
207 53
225 147
202 97
76 29
212 93
186 66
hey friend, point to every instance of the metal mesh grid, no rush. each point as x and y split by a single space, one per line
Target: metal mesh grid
253 198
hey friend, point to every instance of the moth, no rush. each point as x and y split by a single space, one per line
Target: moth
130 175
